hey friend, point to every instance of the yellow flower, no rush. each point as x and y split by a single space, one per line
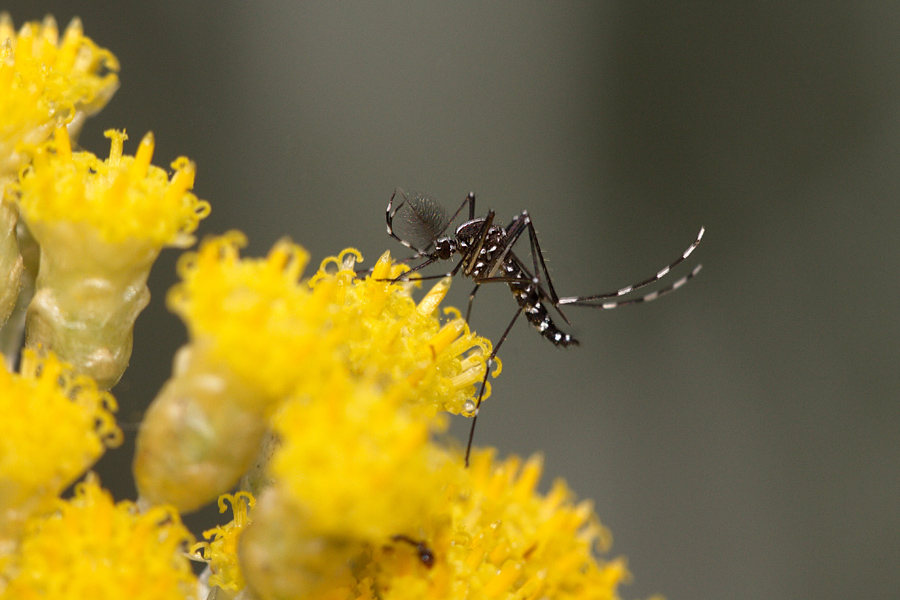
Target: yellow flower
407 532
274 331
121 199
93 548
44 80
221 551
356 462
100 225
56 424
387 338
355 467
249 309
496 537
263 335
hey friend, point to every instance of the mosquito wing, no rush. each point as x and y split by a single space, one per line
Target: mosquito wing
420 220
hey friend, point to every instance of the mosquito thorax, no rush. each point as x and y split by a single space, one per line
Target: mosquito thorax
469 232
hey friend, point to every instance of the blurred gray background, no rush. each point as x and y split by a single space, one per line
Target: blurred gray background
740 437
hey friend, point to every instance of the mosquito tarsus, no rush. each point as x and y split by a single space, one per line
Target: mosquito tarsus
486 256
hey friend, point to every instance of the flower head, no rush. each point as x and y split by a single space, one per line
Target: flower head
45 79
56 425
497 537
284 334
122 198
94 548
356 463
482 532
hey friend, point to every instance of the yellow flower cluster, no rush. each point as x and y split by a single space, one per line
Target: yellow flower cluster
266 336
490 534
260 308
56 424
57 419
376 509
45 80
91 547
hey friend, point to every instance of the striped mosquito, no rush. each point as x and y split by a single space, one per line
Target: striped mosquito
486 256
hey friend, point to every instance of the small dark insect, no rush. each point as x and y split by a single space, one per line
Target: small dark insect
486 256
426 554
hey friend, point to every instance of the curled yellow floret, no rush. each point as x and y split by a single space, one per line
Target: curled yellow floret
94 548
45 79
221 549
56 424
122 198
282 333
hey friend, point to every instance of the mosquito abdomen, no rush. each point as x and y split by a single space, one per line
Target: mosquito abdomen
537 314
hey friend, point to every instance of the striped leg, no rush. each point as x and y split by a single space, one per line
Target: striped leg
487 371
591 300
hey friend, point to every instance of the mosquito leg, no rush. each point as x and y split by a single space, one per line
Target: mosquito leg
471 300
361 272
405 275
471 200
538 256
580 300
389 219
646 298
487 371
431 259
475 251
513 232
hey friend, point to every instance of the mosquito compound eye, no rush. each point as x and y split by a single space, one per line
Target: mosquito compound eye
443 248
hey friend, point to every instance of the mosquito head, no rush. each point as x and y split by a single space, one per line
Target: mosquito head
444 248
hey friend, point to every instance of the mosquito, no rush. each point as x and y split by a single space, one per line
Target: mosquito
486 255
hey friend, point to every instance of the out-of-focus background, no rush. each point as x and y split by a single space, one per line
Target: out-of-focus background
741 438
